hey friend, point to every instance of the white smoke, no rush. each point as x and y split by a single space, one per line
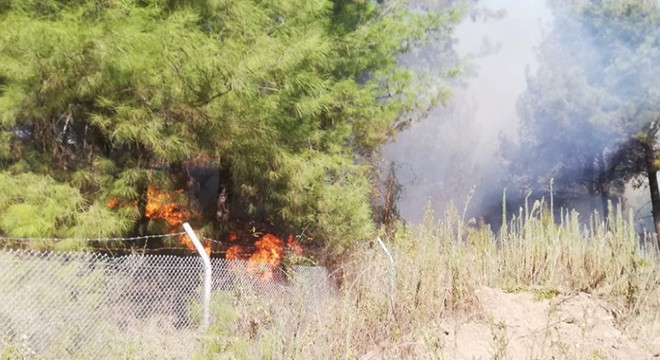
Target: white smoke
456 147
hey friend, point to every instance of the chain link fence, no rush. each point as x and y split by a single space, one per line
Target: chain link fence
86 305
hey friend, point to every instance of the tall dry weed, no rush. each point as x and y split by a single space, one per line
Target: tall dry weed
383 308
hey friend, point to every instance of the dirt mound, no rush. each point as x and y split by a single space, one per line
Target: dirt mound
523 326
527 326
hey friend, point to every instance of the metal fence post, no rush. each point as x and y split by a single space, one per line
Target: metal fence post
207 274
392 275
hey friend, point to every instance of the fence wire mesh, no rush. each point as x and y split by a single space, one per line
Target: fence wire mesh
86 305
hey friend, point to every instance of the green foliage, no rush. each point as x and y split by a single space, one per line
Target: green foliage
37 206
100 95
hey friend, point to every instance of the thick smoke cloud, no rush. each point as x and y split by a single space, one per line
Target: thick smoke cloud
456 148
531 74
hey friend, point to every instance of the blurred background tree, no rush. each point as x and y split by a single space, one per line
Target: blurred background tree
590 114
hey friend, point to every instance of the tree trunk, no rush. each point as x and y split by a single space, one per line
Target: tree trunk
182 178
140 227
591 181
601 185
224 197
652 173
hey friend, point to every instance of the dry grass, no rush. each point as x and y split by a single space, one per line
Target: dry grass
409 308
561 288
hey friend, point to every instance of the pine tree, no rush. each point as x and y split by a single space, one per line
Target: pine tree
281 97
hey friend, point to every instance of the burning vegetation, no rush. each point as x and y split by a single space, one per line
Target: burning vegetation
269 250
160 205
266 253
163 206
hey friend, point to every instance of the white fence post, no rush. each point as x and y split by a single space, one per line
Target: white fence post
392 276
207 273
387 252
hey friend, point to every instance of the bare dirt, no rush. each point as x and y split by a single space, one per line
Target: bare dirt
528 326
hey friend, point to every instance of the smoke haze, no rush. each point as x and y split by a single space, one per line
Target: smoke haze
455 149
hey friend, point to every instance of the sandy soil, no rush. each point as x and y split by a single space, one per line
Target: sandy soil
524 326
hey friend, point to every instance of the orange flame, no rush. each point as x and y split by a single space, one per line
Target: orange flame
235 253
267 256
269 250
160 205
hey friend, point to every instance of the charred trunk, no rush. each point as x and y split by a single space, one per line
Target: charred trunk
178 174
601 185
591 180
140 228
652 173
392 189
224 197
182 178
